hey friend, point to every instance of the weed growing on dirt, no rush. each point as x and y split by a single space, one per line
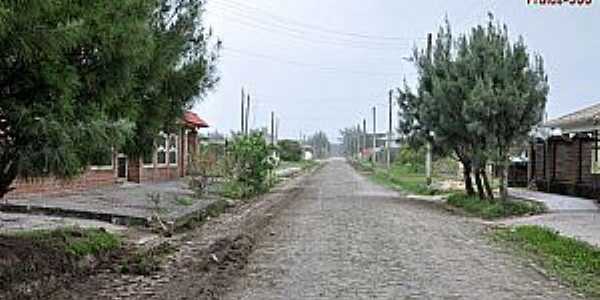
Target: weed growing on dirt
77 242
146 262
494 209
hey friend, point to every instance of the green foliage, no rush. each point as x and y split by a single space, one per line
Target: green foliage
411 159
403 178
78 76
76 242
478 94
494 209
249 166
289 150
574 262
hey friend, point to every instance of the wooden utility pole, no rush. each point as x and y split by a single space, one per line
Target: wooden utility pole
243 115
374 154
428 156
272 128
364 135
247 114
276 130
389 139
358 138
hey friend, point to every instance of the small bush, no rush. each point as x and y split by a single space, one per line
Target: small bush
494 209
573 262
249 166
289 150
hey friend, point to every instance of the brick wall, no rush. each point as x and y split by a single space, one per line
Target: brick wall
54 186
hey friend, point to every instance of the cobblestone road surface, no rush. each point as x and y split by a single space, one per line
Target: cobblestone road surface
347 238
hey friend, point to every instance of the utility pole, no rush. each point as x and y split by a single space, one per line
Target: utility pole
243 130
247 114
374 154
428 156
358 138
272 128
364 135
389 139
276 130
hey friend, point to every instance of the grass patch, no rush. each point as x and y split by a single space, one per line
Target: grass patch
34 263
574 262
485 209
401 178
76 242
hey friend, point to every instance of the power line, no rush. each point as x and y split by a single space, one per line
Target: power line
308 37
289 21
302 64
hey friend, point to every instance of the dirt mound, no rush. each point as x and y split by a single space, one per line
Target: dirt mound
36 263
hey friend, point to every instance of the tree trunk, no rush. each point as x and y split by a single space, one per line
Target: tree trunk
486 183
504 182
467 178
8 173
480 190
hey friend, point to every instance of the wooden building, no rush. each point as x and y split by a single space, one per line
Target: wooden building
568 162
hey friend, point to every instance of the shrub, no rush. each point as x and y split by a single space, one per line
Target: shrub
290 150
412 159
494 209
249 165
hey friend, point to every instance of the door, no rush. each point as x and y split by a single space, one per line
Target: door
122 167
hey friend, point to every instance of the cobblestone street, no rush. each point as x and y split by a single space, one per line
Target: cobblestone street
346 238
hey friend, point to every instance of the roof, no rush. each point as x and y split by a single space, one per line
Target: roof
191 118
582 119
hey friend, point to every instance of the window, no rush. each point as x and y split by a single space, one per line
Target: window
148 158
173 149
161 149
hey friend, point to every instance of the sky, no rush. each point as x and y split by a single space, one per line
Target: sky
323 64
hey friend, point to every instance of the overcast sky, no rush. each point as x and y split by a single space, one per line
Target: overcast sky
322 64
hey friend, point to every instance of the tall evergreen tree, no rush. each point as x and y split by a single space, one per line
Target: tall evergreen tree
76 77
478 95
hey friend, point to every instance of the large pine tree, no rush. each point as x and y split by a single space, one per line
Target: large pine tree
478 95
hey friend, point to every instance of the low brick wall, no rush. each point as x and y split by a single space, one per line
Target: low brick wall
51 185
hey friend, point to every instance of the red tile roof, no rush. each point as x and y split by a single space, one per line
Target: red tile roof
194 120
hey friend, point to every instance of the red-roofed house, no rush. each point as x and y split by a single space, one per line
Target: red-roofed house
169 161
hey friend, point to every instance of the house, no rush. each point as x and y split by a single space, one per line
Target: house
170 160
568 160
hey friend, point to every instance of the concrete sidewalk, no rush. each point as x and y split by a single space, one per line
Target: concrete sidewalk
571 216
128 204
556 202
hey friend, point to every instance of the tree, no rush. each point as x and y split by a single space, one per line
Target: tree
478 95
320 144
510 91
77 77
351 137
